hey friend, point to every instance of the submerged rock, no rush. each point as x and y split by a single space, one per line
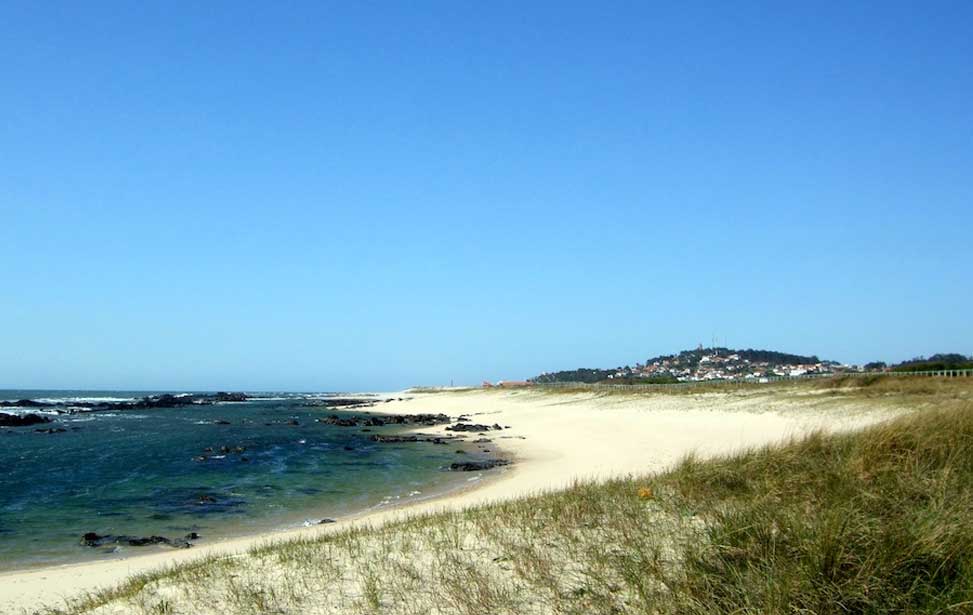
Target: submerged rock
92 539
24 403
473 427
21 420
475 466
384 419
150 402
222 396
412 438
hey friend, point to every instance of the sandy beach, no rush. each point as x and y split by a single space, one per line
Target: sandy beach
553 439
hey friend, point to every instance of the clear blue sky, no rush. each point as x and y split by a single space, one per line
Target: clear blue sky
375 195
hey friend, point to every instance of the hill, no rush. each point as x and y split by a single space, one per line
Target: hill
716 363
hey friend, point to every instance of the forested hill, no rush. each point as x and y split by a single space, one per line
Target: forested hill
935 362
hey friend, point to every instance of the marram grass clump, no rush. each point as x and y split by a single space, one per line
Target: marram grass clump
879 521
875 522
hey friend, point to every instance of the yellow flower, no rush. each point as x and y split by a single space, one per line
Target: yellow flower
645 492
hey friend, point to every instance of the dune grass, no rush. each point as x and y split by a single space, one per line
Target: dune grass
878 521
866 385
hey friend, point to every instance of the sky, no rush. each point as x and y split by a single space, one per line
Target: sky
365 195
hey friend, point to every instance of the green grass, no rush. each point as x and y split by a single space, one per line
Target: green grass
879 521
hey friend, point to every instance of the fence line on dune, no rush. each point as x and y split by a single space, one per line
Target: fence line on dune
944 373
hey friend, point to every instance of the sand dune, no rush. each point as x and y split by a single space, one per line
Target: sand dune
554 439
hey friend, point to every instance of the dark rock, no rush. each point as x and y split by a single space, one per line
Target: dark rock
337 421
482 440
221 422
91 539
394 439
381 420
326 520
221 396
51 430
22 420
192 536
340 402
412 438
24 403
150 402
476 466
472 427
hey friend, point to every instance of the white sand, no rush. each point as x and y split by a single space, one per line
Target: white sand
555 439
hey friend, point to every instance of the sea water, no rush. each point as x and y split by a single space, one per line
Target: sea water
139 473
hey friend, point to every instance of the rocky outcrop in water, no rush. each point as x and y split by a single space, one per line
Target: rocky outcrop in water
92 539
342 402
22 420
412 438
146 403
23 403
476 466
221 453
473 427
226 397
380 420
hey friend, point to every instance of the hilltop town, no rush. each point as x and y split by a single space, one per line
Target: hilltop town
717 363
705 364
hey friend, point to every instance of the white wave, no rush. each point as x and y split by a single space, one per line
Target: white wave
82 400
20 410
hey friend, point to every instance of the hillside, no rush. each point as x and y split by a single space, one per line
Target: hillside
700 364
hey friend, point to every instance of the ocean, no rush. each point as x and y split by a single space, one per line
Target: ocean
220 470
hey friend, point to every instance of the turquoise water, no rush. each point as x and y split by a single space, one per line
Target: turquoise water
134 472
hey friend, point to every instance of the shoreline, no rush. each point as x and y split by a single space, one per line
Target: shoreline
292 523
554 441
